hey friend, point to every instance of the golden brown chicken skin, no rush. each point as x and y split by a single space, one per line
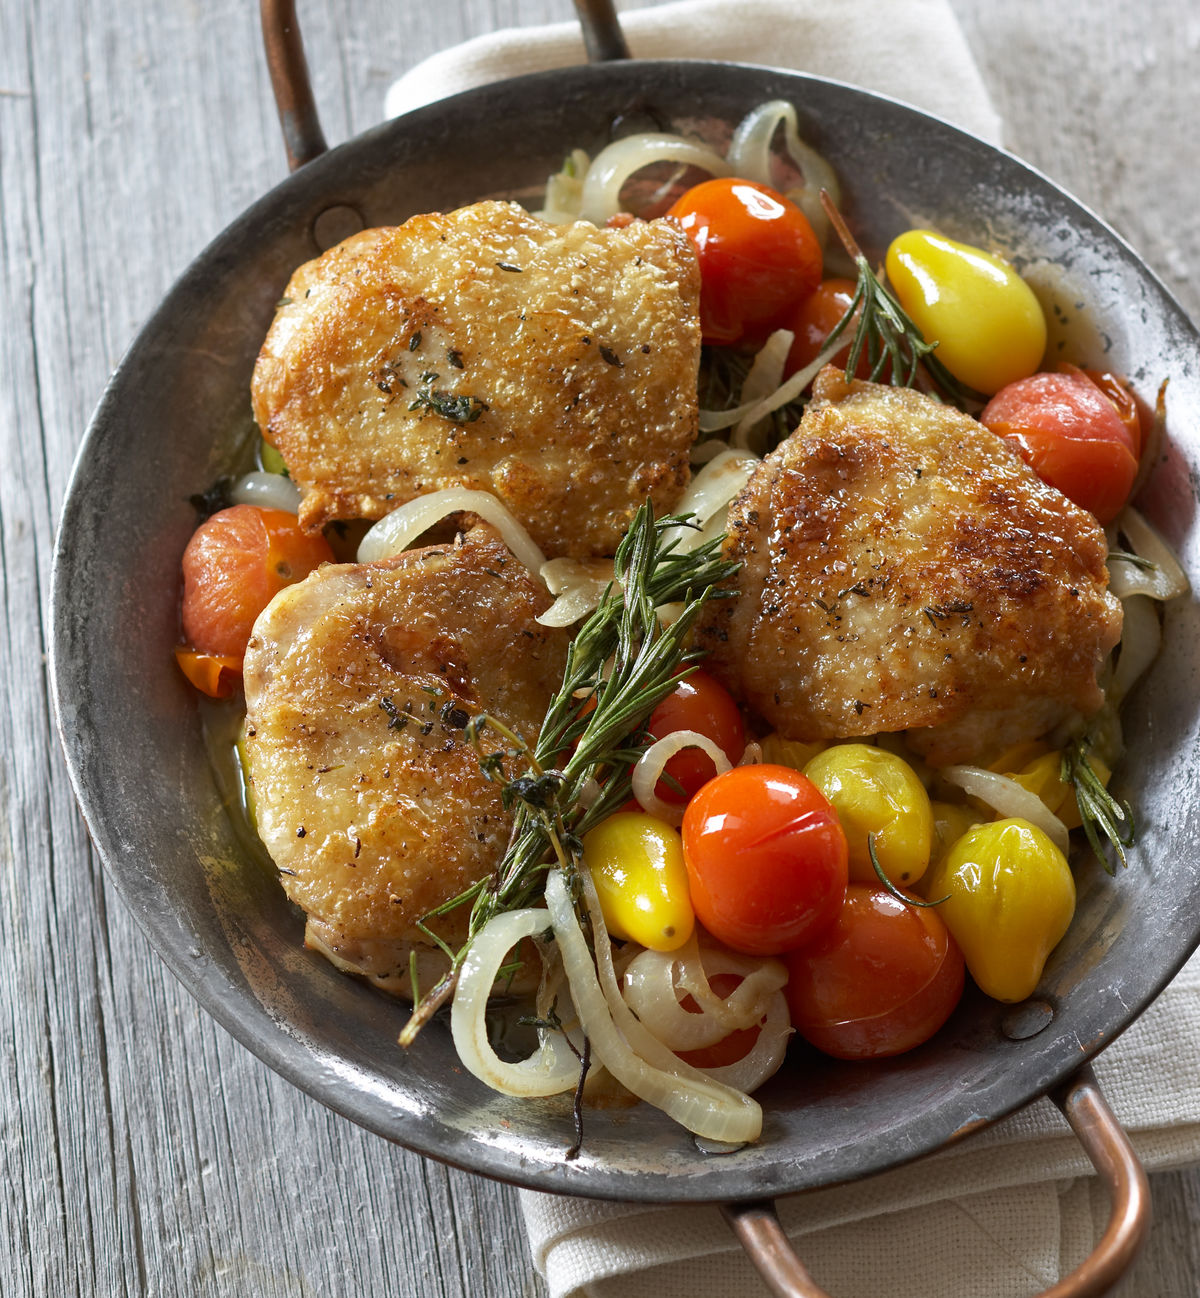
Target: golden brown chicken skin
372 806
553 366
903 569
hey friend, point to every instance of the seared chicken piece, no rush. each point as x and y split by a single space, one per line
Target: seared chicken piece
553 366
371 804
903 569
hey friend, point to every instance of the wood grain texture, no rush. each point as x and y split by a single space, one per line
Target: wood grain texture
144 1152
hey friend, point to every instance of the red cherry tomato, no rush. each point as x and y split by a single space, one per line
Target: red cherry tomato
237 562
766 859
880 981
816 319
703 704
1124 401
759 257
1070 433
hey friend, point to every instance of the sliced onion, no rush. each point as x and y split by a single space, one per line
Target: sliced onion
708 496
653 982
765 376
613 166
712 421
649 768
619 1041
553 1068
1009 798
268 491
564 190
765 1057
1141 638
1165 580
578 587
750 156
398 530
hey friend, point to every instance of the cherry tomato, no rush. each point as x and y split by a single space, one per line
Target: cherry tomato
816 319
1069 432
1124 401
766 859
215 675
703 704
236 562
759 257
880 981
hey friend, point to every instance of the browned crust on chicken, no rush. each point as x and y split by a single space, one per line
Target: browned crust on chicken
903 569
553 366
371 804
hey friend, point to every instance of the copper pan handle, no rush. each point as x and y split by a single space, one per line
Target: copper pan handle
303 137
1104 1141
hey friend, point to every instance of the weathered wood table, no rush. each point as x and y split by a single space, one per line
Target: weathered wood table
144 1152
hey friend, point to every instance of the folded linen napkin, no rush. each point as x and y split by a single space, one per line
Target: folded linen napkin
1012 1209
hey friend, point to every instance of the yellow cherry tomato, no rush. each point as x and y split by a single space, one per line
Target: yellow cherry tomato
796 753
1009 900
636 862
877 793
988 324
951 820
1043 777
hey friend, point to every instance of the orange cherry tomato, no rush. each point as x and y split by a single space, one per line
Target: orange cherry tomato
759 257
1070 433
816 319
881 980
766 859
212 674
703 704
237 562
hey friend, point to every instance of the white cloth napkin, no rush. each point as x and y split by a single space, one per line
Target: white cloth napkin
1011 1210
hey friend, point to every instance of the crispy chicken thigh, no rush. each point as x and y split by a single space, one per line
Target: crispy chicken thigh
372 806
903 569
553 366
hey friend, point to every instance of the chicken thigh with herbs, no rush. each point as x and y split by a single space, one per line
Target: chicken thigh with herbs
904 569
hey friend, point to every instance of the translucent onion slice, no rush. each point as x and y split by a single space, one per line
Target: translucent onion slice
765 1057
649 768
712 421
564 190
750 156
578 587
654 980
398 530
765 376
708 496
1009 798
1165 580
1141 637
613 166
619 1041
554 1067
268 491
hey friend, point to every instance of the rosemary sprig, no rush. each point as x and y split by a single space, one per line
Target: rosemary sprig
1099 811
628 662
889 886
885 333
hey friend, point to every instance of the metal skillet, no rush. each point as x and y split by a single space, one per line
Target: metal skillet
138 759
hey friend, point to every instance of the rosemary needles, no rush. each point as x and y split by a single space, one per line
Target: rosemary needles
621 664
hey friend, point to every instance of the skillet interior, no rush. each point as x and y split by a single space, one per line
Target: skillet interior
164 430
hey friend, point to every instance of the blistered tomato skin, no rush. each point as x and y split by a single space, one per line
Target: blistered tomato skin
1072 435
766 859
989 326
759 258
237 562
1010 897
877 795
881 980
636 863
